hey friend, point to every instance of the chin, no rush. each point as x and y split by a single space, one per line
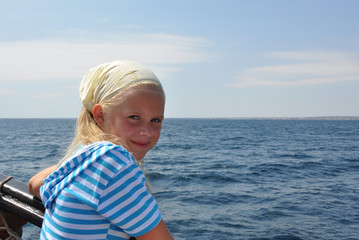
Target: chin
139 157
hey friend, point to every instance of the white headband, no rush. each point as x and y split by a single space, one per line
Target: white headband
106 80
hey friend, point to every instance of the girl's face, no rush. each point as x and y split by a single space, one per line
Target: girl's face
136 119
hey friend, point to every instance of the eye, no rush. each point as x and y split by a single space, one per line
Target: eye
156 120
135 117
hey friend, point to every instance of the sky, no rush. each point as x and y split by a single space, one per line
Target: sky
256 58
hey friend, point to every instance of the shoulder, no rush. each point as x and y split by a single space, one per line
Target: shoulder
105 151
92 168
105 159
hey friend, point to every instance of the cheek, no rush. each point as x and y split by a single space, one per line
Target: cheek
120 128
127 130
156 133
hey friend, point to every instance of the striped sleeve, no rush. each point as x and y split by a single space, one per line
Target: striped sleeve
127 203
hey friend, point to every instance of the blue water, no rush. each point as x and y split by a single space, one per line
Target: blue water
227 179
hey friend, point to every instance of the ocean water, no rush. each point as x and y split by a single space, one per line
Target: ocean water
226 178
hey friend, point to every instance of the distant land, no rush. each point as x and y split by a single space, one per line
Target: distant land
303 118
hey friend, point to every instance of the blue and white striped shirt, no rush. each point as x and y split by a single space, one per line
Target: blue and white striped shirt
99 193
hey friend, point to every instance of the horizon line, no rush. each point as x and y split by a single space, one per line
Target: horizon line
339 117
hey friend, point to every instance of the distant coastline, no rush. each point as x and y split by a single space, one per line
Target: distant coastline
293 118
301 118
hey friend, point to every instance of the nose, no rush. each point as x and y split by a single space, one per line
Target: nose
145 129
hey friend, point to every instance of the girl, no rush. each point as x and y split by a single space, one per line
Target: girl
98 190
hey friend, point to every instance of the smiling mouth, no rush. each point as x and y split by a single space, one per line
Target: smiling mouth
140 145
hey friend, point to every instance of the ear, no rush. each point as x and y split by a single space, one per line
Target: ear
98 115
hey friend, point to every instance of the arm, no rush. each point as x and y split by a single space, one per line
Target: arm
160 232
38 180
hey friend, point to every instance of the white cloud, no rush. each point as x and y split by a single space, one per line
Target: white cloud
130 26
103 20
4 91
50 59
303 68
46 96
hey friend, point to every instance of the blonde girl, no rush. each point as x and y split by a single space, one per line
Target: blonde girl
98 190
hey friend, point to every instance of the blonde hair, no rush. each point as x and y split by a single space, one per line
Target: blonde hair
105 80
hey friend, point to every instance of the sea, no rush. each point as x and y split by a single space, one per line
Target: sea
255 179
